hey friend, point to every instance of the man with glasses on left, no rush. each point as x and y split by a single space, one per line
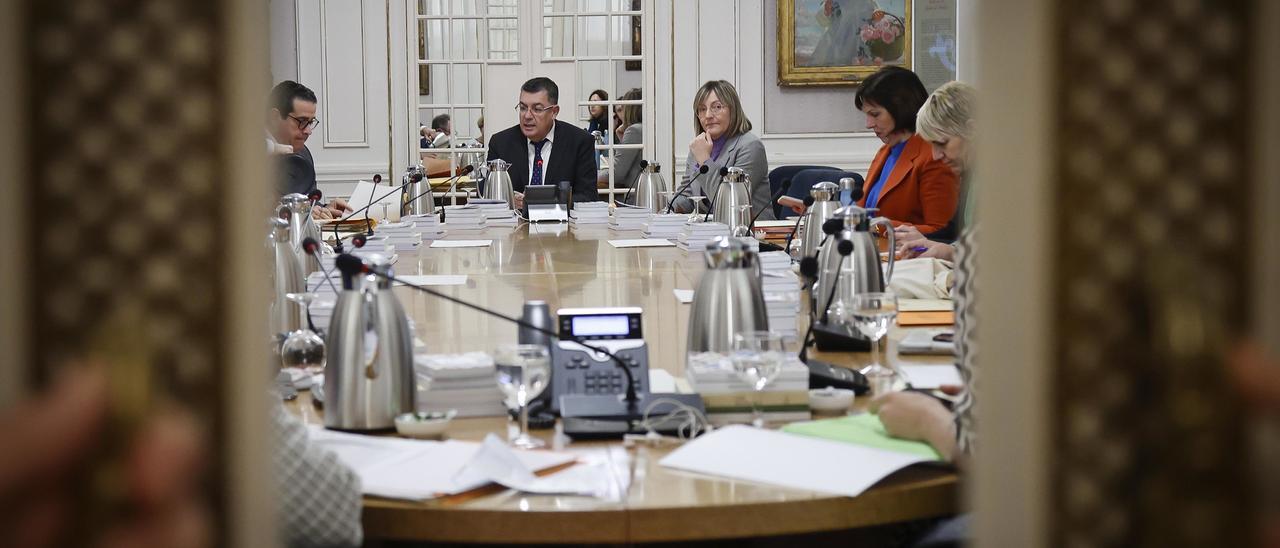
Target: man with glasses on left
291 117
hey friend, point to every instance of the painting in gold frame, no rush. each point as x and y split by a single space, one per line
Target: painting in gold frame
840 42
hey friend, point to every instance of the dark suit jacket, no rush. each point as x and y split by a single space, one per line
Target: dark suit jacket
573 158
297 173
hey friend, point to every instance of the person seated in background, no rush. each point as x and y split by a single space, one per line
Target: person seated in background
723 139
426 136
626 162
543 150
599 121
443 126
905 183
479 141
945 123
291 117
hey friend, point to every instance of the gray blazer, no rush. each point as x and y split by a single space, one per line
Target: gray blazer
744 151
626 164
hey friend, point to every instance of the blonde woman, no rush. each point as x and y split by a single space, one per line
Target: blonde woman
723 139
626 162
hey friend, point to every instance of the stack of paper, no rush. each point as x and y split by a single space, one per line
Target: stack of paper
496 212
589 213
467 218
729 399
464 382
666 226
696 235
629 218
393 240
427 226
781 289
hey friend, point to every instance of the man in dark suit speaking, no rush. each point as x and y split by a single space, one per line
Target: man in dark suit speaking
543 150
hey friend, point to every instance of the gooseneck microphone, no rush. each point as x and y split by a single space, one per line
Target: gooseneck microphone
711 204
432 188
844 248
337 244
351 265
808 203
701 171
786 185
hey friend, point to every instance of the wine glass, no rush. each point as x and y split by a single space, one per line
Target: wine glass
872 314
757 359
697 215
523 371
742 221
303 348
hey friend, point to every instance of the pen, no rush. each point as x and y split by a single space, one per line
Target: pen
919 249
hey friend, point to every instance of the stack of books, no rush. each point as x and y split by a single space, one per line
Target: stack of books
695 236
666 226
730 400
496 212
629 218
466 218
464 382
781 288
589 213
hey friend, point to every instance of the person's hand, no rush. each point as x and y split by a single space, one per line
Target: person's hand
519 199
907 231
321 213
340 205
924 248
59 433
799 209
700 146
282 150
916 416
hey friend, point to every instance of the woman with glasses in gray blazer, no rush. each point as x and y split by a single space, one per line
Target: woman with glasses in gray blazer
724 139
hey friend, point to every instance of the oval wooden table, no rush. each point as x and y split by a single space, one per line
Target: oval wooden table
572 268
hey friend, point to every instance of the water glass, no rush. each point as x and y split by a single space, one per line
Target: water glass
872 314
757 359
741 222
303 348
697 215
523 371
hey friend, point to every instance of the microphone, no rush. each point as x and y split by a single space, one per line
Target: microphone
808 203
809 265
311 247
786 185
701 171
337 245
643 164
455 180
350 266
711 204
431 188
315 196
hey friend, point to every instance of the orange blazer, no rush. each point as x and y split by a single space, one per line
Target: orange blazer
920 190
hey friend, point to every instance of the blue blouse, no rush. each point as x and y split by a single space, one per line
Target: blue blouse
873 196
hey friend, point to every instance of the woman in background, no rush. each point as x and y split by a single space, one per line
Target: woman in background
626 162
723 139
904 182
599 120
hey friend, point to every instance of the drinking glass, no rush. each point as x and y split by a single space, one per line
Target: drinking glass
872 314
697 215
664 200
757 359
523 371
303 348
742 221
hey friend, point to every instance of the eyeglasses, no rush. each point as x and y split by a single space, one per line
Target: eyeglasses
306 123
537 110
716 110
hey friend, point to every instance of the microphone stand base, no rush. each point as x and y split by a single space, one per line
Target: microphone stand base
834 338
611 417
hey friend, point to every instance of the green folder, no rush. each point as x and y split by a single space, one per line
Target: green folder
865 429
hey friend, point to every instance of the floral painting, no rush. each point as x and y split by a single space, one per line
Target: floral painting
840 42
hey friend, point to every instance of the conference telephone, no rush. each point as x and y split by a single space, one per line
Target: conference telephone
578 370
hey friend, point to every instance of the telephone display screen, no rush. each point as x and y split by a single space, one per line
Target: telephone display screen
601 326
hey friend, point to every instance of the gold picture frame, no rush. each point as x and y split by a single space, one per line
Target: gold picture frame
844 24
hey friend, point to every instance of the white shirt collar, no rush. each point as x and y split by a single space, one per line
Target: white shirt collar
551 135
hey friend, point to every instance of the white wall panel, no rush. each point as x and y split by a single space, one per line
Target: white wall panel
343 78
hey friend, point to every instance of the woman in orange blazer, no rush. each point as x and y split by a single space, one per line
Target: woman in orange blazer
905 183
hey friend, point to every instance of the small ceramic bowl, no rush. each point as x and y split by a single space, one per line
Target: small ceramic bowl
424 425
830 401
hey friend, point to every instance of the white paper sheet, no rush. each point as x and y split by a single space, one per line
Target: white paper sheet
416 469
495 462
925 305
461 243
661 382
434 279
787 460
761 223
685 296
365 192
930 377
645 242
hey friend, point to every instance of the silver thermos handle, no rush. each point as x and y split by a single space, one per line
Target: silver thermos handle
893 246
